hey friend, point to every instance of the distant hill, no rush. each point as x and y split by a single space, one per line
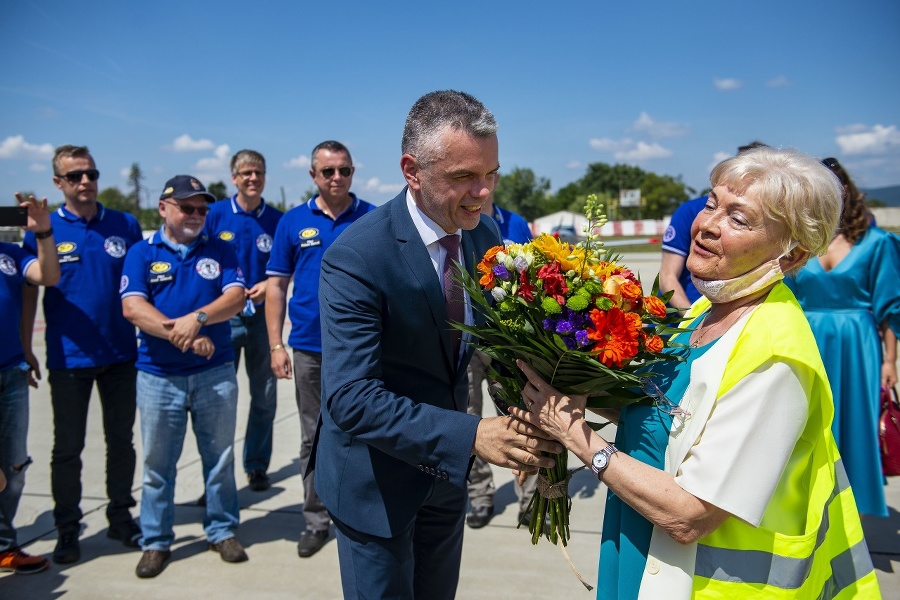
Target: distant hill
889 195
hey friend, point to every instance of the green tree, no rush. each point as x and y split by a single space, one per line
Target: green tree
522 192
112 197
135 177
218 189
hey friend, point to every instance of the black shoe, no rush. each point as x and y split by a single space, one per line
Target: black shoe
259 481
230 550
152 563
129 533
479 516
311 542
67 548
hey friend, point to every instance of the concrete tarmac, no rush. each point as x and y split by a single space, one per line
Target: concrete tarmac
498 561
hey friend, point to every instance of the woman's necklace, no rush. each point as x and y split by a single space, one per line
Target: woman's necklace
703 329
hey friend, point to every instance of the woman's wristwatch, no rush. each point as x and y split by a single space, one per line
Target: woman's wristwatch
601 460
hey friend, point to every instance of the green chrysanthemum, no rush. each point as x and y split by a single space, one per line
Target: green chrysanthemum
578 302
550 306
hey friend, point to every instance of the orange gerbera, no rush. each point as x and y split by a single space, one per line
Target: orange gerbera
615 334
486 267
654 344
655 306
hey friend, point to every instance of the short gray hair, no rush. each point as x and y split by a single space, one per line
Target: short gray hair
247 157
436 111
793 189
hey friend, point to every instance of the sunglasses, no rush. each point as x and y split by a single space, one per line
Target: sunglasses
328 172
831 163
189 210
74 177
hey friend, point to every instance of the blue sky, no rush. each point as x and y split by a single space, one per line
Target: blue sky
671 86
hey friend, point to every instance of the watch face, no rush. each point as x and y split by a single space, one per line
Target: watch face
599 461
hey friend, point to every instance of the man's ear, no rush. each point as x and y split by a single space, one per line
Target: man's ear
411 170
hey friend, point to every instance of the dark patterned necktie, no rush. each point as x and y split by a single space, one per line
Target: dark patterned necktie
453 290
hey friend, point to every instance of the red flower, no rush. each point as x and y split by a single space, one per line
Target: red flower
526 290
554 282
615 334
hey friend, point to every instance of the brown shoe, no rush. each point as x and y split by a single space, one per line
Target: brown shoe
230 550
152 563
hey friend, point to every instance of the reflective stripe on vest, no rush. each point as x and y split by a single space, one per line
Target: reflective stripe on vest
756 567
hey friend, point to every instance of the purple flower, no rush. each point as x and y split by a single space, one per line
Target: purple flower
548 324
501 272
581 337
569 342
564 327
520 263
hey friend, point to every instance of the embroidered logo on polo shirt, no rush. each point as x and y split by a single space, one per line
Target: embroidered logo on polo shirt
159 267
208 268
7 265
115 246
123 283
264 243
226 236
309 232
66 250
159 272
669 235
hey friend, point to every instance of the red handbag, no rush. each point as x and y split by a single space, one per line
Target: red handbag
889 432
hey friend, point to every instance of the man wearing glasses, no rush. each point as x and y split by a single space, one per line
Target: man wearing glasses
180 288
301 239
88 340
248 224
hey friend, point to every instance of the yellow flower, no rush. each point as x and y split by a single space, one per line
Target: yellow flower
568 256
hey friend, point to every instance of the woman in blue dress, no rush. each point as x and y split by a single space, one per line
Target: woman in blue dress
847 294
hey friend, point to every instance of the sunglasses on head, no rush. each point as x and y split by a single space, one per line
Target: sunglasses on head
189 210
74 177
328 172
831 163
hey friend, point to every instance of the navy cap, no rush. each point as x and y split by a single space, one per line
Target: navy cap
185 186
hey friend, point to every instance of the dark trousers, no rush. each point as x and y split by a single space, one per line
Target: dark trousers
70 393
420 563
308 393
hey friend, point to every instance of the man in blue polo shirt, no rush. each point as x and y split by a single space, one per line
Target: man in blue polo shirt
18 265
248 224
301 239
88 341
673 275
180 288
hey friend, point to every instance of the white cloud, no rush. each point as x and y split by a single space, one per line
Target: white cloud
15 146
298 162
727 84
780 81
37 167
859 139
185 143
374 184
124 172
644 151
218 162
574 164
658 129
717 158
610 145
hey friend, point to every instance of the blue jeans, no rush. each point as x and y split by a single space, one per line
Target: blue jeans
210 397
249 334
70 393
14 457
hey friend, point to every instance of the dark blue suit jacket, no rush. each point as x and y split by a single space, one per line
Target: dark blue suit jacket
393 400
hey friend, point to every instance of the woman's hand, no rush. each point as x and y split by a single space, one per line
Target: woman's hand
548 408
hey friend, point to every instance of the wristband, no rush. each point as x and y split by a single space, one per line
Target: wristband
276 347
44 234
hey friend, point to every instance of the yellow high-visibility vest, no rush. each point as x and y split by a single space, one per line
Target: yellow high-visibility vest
829 557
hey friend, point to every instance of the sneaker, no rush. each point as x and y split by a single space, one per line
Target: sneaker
67 549
258 480
230 550
479 516
152 563
311 542
129 533
21 563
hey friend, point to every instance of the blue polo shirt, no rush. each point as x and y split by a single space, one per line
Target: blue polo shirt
677 239
85 326
513 227
177 286
14 261
301 239
249 233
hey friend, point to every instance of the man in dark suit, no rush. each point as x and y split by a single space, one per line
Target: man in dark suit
395 444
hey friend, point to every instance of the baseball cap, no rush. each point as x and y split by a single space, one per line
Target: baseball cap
185 186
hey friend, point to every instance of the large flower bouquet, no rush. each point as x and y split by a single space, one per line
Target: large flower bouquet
582 321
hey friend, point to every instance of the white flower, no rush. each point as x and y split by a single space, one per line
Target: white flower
499 294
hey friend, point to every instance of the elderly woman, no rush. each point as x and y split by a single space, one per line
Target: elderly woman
729 485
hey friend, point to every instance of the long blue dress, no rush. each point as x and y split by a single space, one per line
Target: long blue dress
844 307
